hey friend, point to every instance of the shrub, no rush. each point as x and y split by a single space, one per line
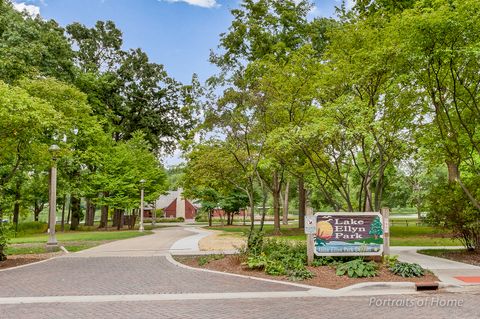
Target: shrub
327 260
390 261
5 235
208 258
28 228
201 217
255 243
357 268
449 207
165 220
277 257
407 269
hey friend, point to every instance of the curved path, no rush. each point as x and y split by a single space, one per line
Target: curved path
135 278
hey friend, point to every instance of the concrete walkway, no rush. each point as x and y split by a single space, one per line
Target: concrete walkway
446 270
190 244
157 244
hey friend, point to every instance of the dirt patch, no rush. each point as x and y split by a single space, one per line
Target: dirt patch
324 276
221 241
463 256
18 260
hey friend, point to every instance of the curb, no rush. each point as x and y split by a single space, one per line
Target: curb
360 289
31 264
202 252
365 288
307 287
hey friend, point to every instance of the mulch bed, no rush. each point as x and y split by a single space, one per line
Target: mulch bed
324 276
18 260
463 256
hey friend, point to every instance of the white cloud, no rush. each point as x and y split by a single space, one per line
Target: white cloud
199 3
314 12
348 3
30 9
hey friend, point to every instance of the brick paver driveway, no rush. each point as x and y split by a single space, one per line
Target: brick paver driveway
291 308
141 283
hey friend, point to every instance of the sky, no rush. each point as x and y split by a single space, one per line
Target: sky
176 33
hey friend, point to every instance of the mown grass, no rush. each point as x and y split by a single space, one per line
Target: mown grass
80 236
440 252
412 235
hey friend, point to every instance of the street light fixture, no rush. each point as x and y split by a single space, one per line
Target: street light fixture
142 183
52 240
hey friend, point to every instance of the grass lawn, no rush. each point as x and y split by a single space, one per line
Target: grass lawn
411 235
461 255
80 236
72 241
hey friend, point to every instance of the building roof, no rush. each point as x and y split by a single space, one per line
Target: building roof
164 200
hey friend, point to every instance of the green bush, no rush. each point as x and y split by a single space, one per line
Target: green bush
407 269
255 243
357 268
5 235
390 261
322 261
451 208
201 217
28 228
208 258
165 220
277 257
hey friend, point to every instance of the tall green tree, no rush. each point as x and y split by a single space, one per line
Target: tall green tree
32 47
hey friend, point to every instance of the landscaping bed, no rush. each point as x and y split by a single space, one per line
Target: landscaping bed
324 276
19 260
460 255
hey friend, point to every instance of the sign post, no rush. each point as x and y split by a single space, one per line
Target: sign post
386 230
310 228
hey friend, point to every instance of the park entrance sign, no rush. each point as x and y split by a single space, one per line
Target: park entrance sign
348 234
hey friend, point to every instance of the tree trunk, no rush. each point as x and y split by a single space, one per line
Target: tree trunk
251 202
2 254
16 206
454 177
210 213
276 203
121 220
285 204
69 210
264 210
62 227
104 217
302 204
453 172
264 203
368 193
90 214
115 217
76 212
37 210
104 214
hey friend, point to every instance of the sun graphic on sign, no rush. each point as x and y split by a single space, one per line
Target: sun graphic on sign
324 230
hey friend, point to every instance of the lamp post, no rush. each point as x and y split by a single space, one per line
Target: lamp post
142 183
52 240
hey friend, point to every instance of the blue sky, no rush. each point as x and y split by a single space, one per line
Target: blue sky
176 33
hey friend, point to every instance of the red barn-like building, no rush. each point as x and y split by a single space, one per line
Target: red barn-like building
175 206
